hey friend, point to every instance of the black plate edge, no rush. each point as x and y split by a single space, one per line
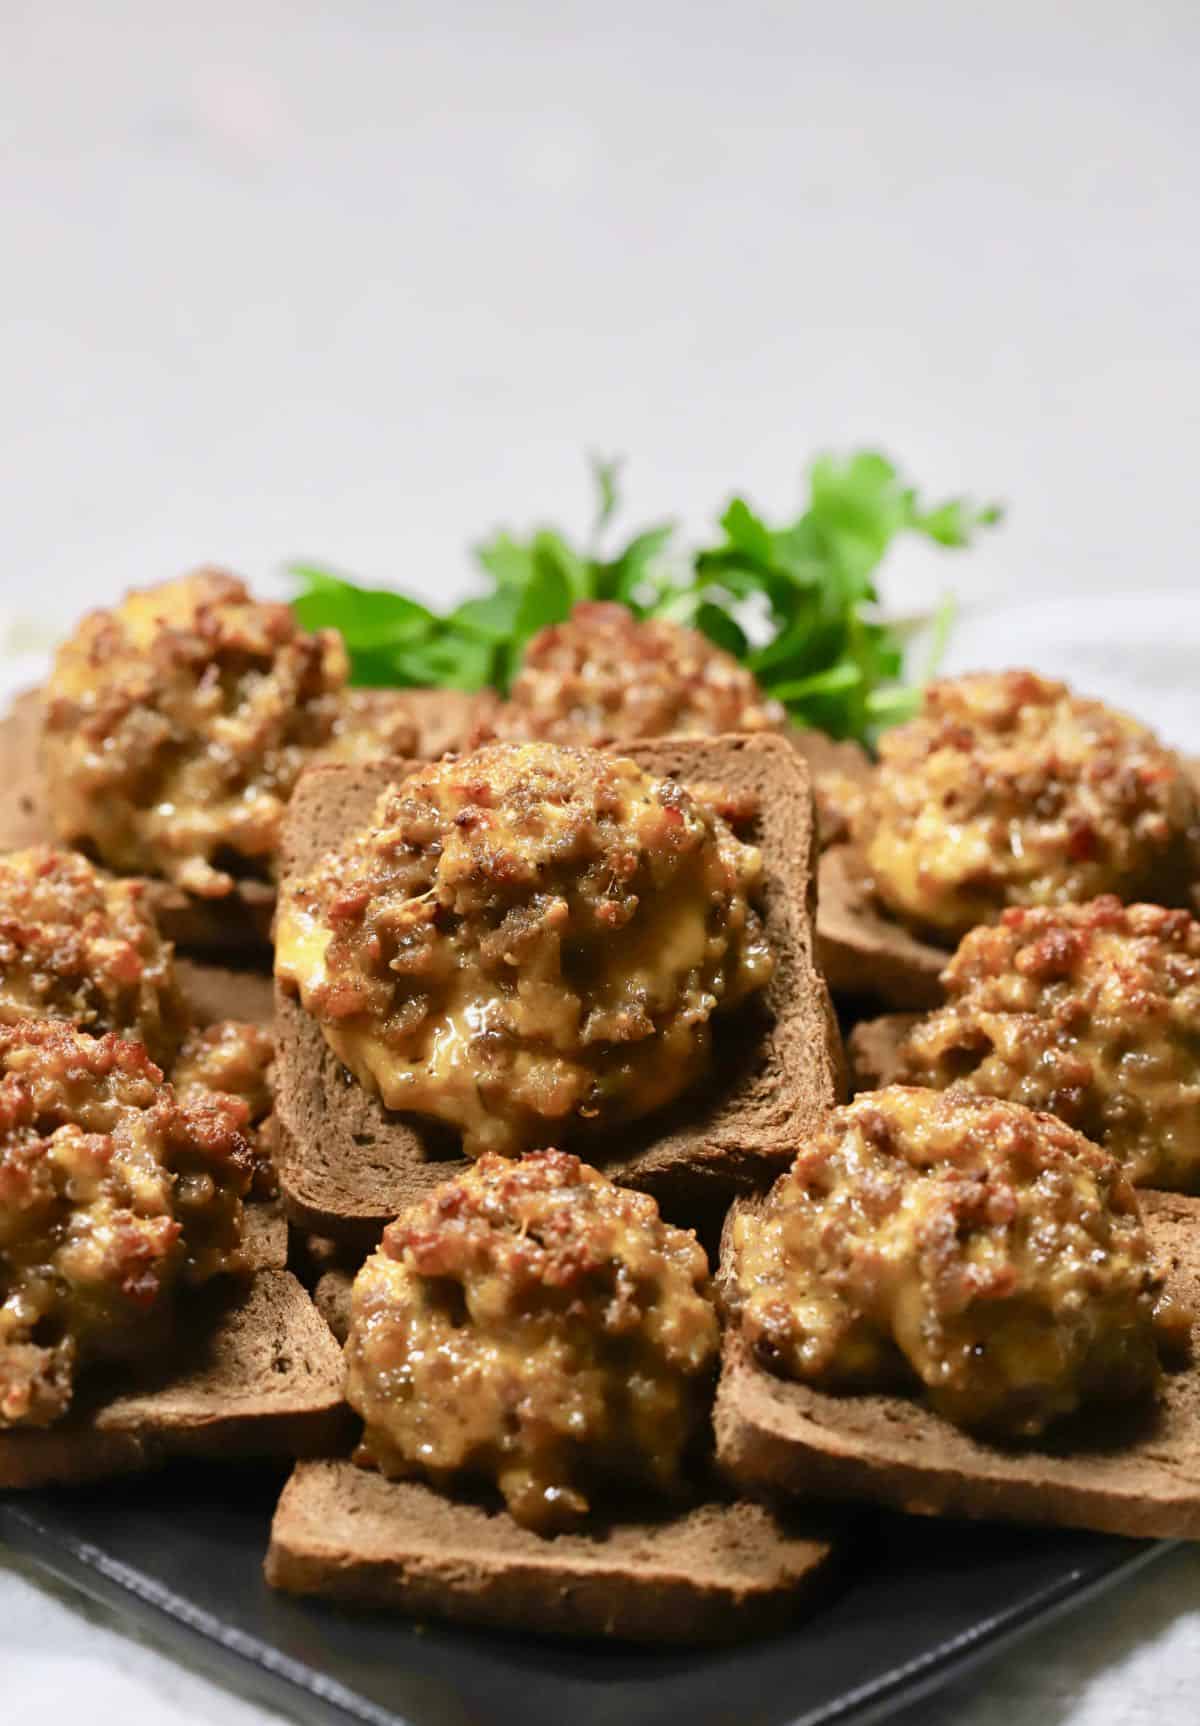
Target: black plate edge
940 1666
94 1574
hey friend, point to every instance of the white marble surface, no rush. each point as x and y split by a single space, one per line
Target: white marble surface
360 281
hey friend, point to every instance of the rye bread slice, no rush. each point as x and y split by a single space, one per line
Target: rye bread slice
258 1376
864 952
214 992
1134 1472
23 819
265 1235
860 950
238 926
347 1165
873 1050
712 1574
825 754
235 929
331 1297
444 718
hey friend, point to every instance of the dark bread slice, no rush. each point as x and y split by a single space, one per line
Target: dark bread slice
825 754
348 1165
873 1050
444 718
238 926
214 992
1134 1472
265 1235
260 1377
23 819
311 1256
331 1297
711 1574
864 952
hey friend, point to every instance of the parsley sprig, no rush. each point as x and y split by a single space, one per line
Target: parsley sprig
797 602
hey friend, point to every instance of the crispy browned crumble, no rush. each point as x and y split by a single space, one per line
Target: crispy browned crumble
604 676
76 944
1089 1011
959 1243
370 723
528 940
234 1061
532 1325
113 1196
177 723
1009 790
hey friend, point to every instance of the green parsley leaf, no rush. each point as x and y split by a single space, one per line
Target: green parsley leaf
796 601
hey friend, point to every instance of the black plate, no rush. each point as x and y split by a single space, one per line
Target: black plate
920 1602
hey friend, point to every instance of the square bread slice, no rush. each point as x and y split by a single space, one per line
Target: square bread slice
862 951
873 1050
214 992
265 1235
711 1574
332 1297
1133 1472
348 1165
262 1378
445 719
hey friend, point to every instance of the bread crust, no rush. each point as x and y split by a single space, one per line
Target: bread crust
261 1377
332 1298
1135 1473
873 1050
862 951
347 1165
711 1574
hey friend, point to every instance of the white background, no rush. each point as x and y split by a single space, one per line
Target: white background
360 281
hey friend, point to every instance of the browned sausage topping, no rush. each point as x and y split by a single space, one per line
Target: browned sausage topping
528 941
1089 1011
231 1058
177 723
532 1325
234 1061
113 1194
968 1245
79 945
1009 790
76 944
603 675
